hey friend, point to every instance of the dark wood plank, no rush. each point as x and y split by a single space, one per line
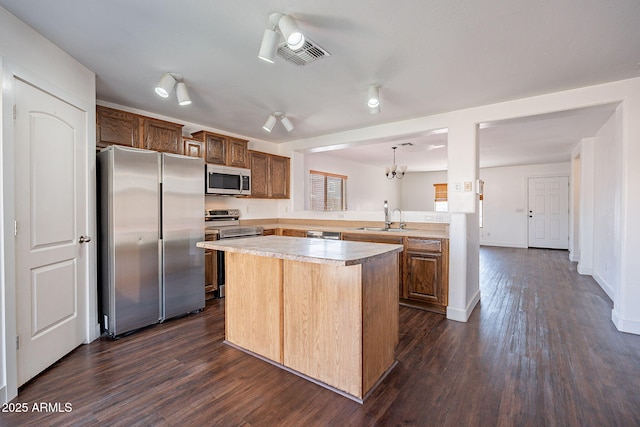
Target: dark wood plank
540 350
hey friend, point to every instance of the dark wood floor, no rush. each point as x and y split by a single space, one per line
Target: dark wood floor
540 350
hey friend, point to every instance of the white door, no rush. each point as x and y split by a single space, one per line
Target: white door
549 212
51 264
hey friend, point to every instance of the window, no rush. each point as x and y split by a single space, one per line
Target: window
441 203
328 191
440 200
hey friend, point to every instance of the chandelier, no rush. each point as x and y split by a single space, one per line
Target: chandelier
395 171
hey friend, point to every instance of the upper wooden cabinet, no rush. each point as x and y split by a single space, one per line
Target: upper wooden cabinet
223 150
259 164
117 127
279 174
132 130
192 147
269 175
162 136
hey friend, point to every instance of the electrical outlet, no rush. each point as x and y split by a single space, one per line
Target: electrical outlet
457 186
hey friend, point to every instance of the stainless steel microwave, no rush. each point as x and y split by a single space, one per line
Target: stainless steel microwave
227 180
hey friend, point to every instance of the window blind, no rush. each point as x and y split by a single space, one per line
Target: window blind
440 191
328 191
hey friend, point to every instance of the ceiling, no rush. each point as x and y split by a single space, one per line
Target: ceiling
427 57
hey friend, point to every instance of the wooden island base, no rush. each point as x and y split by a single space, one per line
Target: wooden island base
336 325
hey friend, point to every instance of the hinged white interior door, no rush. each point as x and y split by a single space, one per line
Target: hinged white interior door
549 212
50 214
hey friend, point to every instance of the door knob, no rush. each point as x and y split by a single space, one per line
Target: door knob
84 239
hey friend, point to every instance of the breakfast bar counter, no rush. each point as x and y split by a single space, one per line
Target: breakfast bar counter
326 310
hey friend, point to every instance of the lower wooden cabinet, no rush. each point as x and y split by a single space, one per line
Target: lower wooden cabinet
210 271
423 279
292 232
269 232
426 274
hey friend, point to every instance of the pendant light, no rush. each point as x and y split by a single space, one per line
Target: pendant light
395 171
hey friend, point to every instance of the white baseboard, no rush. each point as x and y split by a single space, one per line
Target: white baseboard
573 257
3 395
585 271
604 285
623 325
460 315
503 244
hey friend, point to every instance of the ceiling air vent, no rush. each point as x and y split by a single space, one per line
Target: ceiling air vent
309 52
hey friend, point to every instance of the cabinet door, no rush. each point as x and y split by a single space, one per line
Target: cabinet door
193 148
117 127
424 277
162 136
210 272
237 153
293 233
215 149
269 232
259 174
279 177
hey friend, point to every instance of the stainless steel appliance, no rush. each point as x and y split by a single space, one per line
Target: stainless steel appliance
317 234
227 180
150 218
226 225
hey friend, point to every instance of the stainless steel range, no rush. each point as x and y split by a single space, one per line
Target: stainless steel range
225 224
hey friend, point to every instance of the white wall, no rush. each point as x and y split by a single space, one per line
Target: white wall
26 54
462 166
607 207
417 189
367 186
505 201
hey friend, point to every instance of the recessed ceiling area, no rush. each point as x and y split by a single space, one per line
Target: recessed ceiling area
544 138
427 57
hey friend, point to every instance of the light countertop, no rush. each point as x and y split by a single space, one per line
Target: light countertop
319 251
408 232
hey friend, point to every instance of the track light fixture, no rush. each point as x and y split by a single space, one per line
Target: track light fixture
373 99
291 32
286 123
183 94
166 85
271 122
270 39
269 45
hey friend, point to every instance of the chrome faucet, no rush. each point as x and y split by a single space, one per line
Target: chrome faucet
387 223
402 223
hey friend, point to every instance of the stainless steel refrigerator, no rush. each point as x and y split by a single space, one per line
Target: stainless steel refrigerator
150 214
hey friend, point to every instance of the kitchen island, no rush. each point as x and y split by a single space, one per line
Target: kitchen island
326 310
